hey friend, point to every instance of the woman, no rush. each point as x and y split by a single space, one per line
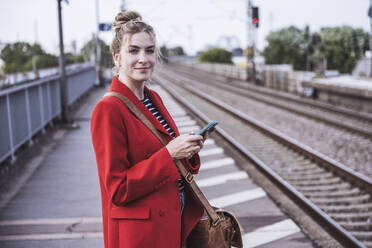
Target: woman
145 202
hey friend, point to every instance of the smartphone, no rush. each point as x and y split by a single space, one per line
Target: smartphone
207 128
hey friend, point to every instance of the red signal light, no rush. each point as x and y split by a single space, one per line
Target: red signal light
255 16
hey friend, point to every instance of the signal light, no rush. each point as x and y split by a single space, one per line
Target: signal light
255 16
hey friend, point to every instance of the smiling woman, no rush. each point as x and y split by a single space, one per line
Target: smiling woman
145 202
136 61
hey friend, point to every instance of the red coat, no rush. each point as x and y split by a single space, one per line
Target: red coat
138 178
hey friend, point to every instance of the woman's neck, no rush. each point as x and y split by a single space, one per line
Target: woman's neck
136 87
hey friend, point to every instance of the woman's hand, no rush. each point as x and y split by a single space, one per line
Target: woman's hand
185 146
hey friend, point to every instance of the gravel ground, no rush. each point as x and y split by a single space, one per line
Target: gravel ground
349 149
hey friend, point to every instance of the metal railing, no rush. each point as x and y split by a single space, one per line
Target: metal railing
20 77
26 109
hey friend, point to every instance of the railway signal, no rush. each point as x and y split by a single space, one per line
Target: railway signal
255 16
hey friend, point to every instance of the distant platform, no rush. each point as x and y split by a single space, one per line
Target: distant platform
346 91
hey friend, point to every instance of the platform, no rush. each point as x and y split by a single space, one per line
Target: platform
344 91
59 204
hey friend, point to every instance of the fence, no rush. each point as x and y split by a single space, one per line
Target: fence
26 109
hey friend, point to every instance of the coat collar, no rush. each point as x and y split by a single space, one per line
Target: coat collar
118 86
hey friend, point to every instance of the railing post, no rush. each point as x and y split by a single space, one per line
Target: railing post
12 150
49 104
41 101
28 113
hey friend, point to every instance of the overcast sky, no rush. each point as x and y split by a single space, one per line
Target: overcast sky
193 24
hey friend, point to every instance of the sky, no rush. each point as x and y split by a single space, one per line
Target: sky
192 24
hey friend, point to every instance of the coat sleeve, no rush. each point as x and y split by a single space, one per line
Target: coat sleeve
122 181
192 164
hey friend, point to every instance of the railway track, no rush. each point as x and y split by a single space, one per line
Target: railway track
336 197
344 140
353 121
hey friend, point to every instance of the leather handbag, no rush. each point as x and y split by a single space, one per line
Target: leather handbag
217 228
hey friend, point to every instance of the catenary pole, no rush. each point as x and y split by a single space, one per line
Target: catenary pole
370 38
251 68
98 46
63 85
249 35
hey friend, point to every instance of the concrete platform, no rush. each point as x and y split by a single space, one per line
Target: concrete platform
344 91
59 205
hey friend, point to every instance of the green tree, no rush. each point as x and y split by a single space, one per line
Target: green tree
216 55
340 46
89 49
71 58
176 51
21 57
287 46
41 61
343 47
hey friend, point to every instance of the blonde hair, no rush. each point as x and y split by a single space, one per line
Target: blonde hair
128 23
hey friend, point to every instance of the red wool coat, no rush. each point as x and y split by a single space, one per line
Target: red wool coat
138 178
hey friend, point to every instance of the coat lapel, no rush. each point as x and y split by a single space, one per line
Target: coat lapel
117 86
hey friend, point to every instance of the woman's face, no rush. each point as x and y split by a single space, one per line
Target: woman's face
137 58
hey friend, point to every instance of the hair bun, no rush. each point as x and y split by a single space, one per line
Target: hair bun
124 17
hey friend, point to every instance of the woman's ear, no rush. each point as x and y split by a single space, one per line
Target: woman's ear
116 57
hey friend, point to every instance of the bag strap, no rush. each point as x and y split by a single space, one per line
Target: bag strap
189 178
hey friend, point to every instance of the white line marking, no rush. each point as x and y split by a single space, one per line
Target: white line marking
209 152
82 235
51 221
221 179
216 164
270 233
209 142
188 129
181 118
182 124
237 198
177 112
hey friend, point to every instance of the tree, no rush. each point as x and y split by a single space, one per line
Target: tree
343 47
21 57
89 49
40 61
287 46
176 51
72 59
216 55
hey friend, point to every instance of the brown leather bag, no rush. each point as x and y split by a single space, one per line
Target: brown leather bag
217 228
227 233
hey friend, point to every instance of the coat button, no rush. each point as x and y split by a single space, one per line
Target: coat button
161 213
